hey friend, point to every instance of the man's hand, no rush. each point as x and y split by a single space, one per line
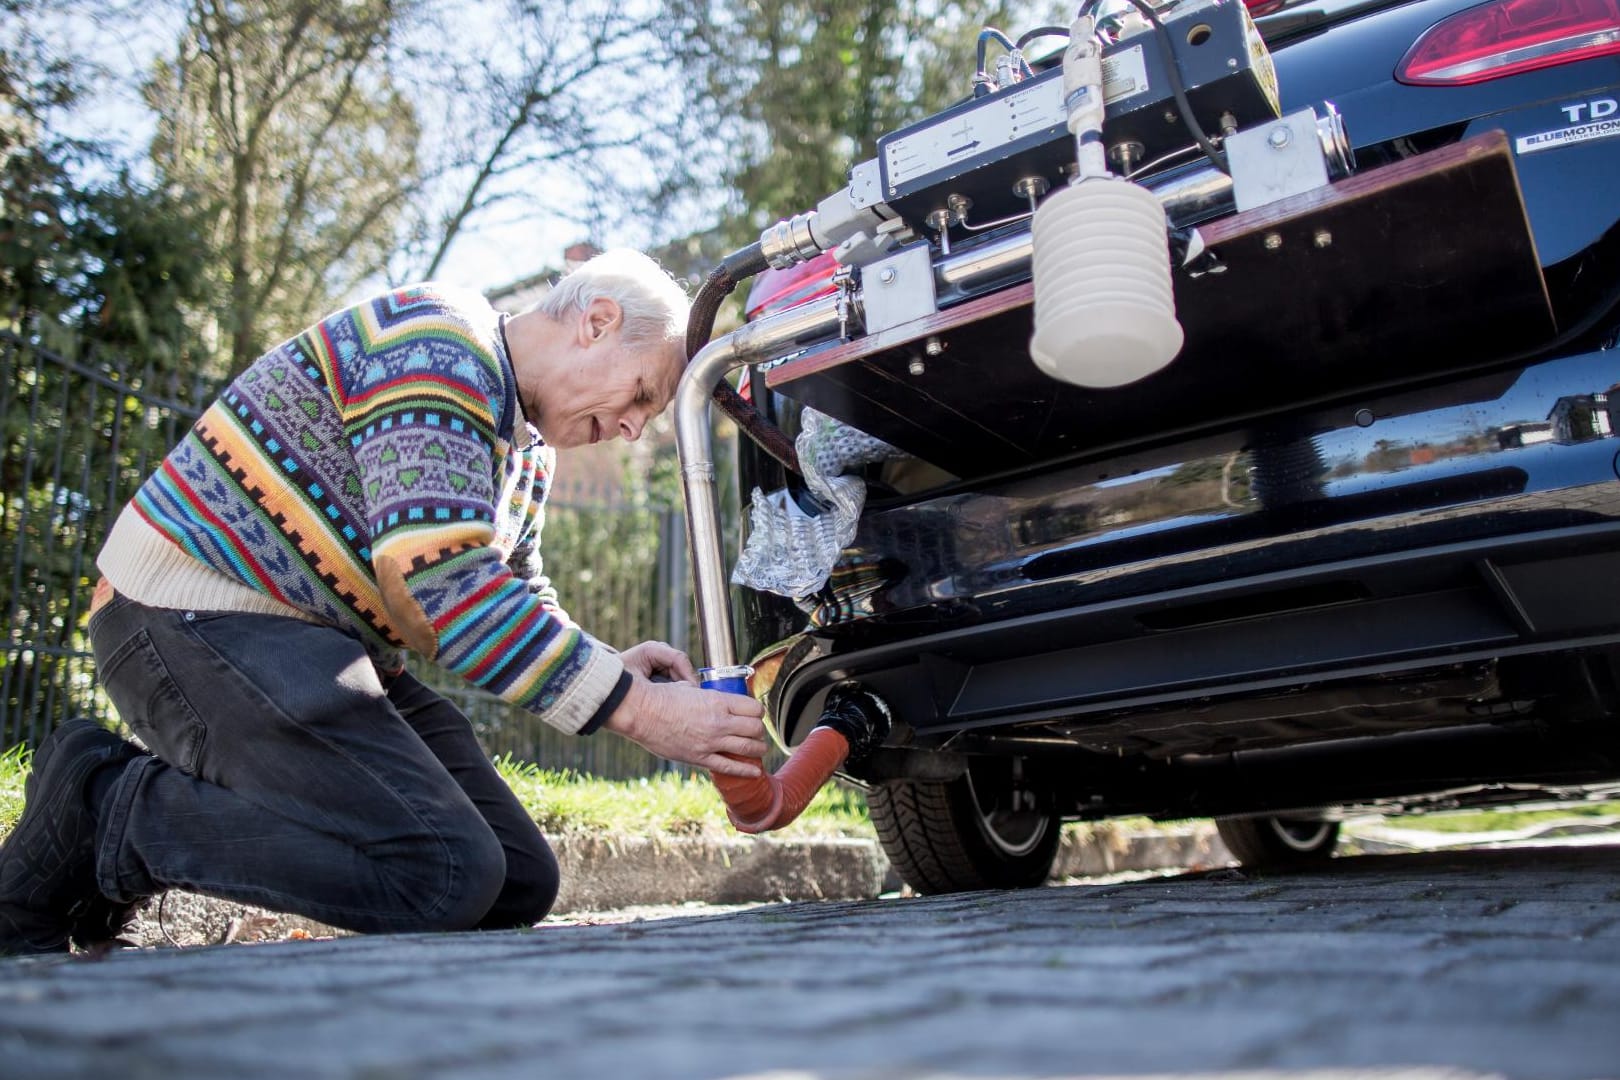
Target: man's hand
652 658
688 724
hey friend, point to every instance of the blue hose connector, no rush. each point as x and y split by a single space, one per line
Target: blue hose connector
731 680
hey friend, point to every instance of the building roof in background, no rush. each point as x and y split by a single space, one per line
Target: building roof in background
524 292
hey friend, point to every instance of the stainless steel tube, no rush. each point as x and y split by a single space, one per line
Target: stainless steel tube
773 334
984 263
1191 195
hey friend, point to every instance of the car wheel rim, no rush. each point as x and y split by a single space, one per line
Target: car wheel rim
1013 832
1301 835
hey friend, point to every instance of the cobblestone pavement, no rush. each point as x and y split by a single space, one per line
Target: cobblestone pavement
1438 966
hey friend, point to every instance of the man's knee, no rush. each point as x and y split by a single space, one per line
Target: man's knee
473 874
530 889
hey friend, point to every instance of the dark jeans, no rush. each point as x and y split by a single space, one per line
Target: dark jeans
290 774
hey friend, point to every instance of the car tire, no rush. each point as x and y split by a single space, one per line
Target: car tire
1279 841
946 837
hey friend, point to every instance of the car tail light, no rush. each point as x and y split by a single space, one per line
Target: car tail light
1508 37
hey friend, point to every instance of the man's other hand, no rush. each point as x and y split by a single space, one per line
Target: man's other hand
691 725
652 658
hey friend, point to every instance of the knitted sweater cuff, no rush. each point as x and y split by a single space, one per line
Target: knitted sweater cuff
589 691
612 702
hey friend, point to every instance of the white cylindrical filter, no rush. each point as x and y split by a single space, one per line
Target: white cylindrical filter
1105 311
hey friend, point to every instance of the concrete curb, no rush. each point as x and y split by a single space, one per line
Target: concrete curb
1375 839
603 874
1109 851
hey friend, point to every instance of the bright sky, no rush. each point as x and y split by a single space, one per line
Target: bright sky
504 245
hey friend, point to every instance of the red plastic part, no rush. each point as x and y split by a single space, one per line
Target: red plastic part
762 803
776 290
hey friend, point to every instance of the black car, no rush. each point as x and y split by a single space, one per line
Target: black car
1356 547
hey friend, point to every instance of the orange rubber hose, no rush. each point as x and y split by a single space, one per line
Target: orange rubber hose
762 803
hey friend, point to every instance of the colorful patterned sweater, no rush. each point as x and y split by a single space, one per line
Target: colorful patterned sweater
375 474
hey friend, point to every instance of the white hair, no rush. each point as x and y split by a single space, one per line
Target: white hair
654 305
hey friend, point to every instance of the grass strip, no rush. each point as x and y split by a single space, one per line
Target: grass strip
1504 820
14 764
560 801
670 804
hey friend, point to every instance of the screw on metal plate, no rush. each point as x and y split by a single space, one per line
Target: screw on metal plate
887 276
1280 137
1231 62
1364 418
1273 241
1322 239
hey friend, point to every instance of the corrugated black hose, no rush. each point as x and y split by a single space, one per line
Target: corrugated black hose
737 266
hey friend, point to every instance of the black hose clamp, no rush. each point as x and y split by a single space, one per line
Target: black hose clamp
859 715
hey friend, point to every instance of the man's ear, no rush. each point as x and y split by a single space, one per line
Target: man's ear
600 318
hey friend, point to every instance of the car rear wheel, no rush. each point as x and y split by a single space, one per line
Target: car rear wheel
983 830
1279 841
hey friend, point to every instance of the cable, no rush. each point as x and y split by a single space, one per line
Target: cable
1162 159
1173 71
162 928
740 264
981 76
988 34
1039 32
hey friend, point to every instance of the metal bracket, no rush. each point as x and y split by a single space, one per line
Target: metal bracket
1276 160
898 289
866 185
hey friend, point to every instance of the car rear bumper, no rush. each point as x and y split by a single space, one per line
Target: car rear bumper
1475 520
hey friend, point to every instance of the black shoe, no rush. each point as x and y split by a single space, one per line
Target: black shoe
101 922
47 864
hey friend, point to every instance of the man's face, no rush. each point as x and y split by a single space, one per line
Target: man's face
606 392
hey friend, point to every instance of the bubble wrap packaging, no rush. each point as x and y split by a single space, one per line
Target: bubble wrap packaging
792 552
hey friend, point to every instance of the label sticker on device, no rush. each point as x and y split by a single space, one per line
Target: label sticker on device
1124 74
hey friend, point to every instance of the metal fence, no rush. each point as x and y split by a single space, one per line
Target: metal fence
78 436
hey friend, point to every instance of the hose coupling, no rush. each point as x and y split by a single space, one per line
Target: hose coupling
791 242
859 715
